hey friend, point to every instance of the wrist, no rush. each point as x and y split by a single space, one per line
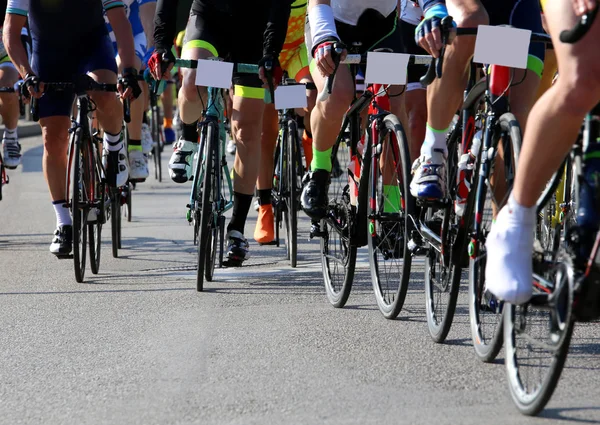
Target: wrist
439 9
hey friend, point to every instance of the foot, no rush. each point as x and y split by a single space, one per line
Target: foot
237 249
169 136
180 165
265 225
147 142
231 147
116 167
429 181
138 166
62 244
314 195
508 271
12 153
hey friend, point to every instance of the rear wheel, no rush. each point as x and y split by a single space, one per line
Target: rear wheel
115 221
388 209
95 228
485 310
291 200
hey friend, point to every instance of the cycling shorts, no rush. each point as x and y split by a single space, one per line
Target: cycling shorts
524 14
415 72
139 42
295 62
211 29
62 63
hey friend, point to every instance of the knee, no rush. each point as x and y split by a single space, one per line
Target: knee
188 87
55 140
335 106
578 91
106 102
247 132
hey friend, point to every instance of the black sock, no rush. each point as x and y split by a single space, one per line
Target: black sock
190 132
241 206
132 143
264 196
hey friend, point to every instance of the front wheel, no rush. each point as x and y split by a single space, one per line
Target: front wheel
389 212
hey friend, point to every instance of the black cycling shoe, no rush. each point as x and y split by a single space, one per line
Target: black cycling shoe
237 249
62 244
314 195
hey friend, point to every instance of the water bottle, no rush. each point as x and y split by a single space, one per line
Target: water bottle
465 171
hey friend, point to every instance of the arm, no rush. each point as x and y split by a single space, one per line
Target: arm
165 21
123 34
11 37
276 30
147 11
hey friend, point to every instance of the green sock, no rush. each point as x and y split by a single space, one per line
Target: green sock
321 160
392 198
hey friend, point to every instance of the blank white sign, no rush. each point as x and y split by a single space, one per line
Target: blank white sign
290 97
211 73
503 46
386 68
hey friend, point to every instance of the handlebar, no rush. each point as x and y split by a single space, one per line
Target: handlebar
580 29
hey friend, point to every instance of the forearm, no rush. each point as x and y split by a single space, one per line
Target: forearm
165 21
147 12
11 37
276 30
124 36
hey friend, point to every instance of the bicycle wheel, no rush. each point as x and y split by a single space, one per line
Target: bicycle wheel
338 253
214 222
95 226
290 211
207 221
115 221
2 175
389 257
78 200
443 269
537 336
156 148
129 202
493 190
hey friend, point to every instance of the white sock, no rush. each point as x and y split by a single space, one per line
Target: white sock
10 134
434 139
113 142
63 215
509 249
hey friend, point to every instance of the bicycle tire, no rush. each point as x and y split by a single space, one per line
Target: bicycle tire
206 215
95 229
397 224
213 236
2 175
115 221
79 217
480 303
129 201
439 320
532 403
156 148
338 285
292 198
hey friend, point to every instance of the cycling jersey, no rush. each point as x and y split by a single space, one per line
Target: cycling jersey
411 12
132 10
60 22
294 56
349 11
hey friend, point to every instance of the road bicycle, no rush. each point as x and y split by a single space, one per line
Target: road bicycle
212 188
158 137
376 174
88 196
566 276
287 179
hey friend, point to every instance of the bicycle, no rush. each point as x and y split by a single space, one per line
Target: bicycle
357 214
208 201
566 280
157 134
87 191
287 180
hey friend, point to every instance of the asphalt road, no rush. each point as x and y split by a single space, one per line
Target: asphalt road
136 344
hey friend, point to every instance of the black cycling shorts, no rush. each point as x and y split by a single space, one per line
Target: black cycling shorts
372 31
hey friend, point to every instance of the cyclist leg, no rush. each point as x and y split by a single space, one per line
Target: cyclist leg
553 122
444 97
9 109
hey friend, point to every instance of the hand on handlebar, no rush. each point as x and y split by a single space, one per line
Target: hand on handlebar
269 68
160 63
128 85
324 54
32 86
428 33
581 7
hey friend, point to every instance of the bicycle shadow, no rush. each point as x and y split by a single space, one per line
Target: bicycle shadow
558 413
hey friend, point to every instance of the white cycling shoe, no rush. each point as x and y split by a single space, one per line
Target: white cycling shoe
116 167
138 166
429 180
181 162
509 245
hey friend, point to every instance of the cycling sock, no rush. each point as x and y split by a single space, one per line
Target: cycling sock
134 145
321 160
167 122
264 196
63 215
434 139
241 206
10 133
392 198
190 132
113 142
